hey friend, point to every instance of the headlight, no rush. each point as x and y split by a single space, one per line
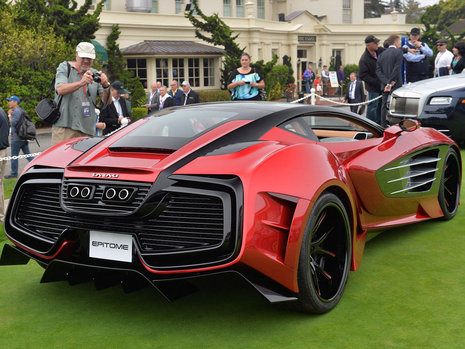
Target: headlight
440 100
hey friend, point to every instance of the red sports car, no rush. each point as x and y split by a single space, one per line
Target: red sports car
283 194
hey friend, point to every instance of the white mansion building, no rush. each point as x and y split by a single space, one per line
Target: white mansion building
159 42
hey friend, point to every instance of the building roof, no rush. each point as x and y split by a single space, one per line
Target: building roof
456 27
296 14
170 47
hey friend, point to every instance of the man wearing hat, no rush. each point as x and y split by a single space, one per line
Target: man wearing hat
17 144
114 114
416 65
189 96
367 73
443 59
79 85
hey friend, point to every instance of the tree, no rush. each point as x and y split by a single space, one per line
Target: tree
64 17
375 8
28 59
439 17
413 11
116 69
213 30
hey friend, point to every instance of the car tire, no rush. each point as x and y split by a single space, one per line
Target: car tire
325 256
449 188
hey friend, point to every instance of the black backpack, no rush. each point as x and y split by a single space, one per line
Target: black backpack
25 128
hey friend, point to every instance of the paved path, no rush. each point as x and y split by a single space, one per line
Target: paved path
44 136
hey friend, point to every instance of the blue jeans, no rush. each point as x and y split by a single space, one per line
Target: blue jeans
307 86
374 108
16 146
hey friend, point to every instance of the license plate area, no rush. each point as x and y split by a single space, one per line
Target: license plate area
110 246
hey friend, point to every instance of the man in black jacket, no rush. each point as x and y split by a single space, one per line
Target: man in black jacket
189 96
115 113
367 73
388 72
4 144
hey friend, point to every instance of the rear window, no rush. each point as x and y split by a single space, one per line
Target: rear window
172 129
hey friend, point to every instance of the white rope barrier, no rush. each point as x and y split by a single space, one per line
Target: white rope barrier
313 95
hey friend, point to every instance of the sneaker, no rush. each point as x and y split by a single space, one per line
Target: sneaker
11 176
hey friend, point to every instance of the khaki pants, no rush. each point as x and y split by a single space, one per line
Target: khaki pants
3 153
60 134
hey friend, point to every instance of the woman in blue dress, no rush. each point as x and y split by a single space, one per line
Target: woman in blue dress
245 81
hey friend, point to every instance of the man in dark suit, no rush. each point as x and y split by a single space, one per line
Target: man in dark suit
114 114
388 71
189 96
367 73
355 94
153 99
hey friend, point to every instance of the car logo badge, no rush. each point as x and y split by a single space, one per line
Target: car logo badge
105 175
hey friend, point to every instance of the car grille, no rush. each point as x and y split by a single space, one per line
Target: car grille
181 222
404 106
412 175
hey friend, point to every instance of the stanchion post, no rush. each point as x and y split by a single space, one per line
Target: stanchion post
312 98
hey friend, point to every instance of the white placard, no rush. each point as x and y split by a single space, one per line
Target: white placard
114 247
333 79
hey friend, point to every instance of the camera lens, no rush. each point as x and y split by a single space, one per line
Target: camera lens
97 77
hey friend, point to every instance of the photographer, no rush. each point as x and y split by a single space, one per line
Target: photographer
79 84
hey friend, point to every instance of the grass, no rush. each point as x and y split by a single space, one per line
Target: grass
8 186
408 293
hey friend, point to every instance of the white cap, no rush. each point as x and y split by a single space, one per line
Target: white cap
185 83
85 50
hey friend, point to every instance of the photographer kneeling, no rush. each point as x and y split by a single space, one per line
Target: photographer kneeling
79 84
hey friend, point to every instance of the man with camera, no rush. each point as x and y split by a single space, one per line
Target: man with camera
79 84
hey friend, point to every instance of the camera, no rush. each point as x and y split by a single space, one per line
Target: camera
247 82
96 77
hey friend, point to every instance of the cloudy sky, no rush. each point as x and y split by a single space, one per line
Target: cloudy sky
427 2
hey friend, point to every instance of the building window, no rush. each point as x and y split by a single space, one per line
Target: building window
108 5
337 58
178 6
227 10
208 72
274 51
154 6
346 11
261 8
194 71
239 8
301 53
178 70
139 67
162 71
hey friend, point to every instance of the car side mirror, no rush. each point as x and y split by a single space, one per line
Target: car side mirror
409 125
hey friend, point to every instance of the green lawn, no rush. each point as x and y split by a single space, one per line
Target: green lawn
408 293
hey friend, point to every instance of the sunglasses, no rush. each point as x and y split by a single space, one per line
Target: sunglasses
441 45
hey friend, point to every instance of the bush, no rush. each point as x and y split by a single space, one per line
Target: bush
28 61
275 81
138 113
214 95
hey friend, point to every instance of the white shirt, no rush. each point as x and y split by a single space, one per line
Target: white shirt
117 106
443 59
352 90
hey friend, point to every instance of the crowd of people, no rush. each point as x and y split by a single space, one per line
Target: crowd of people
383 69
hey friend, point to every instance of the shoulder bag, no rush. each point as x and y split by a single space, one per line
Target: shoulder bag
47 110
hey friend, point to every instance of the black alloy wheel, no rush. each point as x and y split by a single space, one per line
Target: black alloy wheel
325 256
449 189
